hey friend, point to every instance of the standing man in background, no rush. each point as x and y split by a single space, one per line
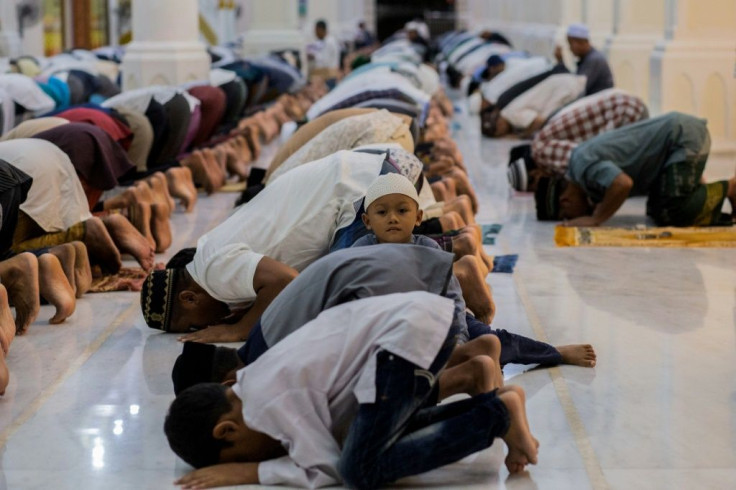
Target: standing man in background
324 55
591 62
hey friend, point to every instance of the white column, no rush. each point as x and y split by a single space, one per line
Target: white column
598 15
692 68
272 25
166 49
640 25
10 44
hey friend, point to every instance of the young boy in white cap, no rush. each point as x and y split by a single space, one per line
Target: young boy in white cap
591 62
391 212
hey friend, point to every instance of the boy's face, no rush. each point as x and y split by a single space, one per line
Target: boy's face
195 310
392 218
574 202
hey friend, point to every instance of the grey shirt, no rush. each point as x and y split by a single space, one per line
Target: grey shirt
594 66
641 150
362 272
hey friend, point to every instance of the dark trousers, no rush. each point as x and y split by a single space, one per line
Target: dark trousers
399 436
516 348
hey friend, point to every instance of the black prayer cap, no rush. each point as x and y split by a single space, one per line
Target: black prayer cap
193 366
547 198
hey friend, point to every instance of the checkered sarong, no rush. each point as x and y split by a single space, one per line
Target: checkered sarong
553 144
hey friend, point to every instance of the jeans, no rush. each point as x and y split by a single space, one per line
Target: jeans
516 348
396 436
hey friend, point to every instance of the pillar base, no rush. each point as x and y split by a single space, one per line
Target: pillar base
10 44
170 63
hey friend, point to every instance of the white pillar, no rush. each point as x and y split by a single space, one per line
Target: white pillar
639 26
272 25
10 44
165 48
692 67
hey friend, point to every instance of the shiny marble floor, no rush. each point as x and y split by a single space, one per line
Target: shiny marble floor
86 404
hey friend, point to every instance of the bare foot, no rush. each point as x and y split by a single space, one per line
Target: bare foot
139 215
100 245
7 334
477 375
242 147
217 174
578 355
522 446
7 324
82 269
67 255
129 240
20 276
200 169
160 227
55 288
4 374
476 291
181 185
160 188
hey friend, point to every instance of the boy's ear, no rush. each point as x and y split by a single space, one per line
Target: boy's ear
366 221
420 215
225 430
188 297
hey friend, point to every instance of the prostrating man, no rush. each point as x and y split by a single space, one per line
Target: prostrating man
662 158
331 405
250 257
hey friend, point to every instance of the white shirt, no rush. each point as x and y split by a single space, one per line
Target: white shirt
346 134
137 100
305 390
326 53
478 58
8 108
517 70
26 92
56 200
293 220
543 99
370 80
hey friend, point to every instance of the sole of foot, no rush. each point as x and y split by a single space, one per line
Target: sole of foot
101 247
55 288
128 240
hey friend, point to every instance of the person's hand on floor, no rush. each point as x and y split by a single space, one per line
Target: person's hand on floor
586 221
220 475
214 334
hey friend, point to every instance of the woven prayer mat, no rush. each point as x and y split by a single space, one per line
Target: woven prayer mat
714 237
233 187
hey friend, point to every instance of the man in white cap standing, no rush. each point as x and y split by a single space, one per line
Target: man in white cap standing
591 62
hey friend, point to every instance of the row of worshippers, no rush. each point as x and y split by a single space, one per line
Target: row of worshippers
663 158
361 302
84 183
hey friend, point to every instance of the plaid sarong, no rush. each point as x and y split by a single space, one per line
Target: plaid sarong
589 117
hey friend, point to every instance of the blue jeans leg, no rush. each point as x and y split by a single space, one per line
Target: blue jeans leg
395 437
516 348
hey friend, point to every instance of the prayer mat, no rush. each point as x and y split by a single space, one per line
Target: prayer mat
488 232
233 187
714 237
127 279
504 263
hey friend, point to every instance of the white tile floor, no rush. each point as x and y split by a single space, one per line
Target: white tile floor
86 404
